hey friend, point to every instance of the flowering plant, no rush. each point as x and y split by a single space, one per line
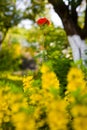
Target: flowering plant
43 21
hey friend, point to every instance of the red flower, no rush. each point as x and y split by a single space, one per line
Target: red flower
43 21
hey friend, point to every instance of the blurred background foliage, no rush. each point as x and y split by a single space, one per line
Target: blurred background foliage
25 49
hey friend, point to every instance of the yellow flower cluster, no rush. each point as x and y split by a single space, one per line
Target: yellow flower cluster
50 110
75 79
53 112
27 82
77 97
22 121
41 107
49 78
11 112
57 116
79 113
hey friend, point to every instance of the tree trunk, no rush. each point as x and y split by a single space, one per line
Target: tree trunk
76 41
1 40
76 36
2 37
79 48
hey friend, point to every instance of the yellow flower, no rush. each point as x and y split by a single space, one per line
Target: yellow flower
75 74
35 98
74 85
27 82
23 121
57 116
16 107
27 79
80 123
6 119
75 79
45 68
79 110
49 79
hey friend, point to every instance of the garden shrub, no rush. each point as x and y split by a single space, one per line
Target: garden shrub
10 57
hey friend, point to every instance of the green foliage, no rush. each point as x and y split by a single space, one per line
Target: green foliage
16 86
61 68
52 41
9 16
35 9
9 59
7 78
48 35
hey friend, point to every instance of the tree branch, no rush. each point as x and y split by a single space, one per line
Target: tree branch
84 30
60 8
75 3
85 22
69 17
63 11
85 25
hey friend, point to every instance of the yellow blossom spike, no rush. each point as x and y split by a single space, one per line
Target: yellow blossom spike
75 74
49 80
45 69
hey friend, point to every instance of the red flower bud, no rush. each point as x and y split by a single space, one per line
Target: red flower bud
43 21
